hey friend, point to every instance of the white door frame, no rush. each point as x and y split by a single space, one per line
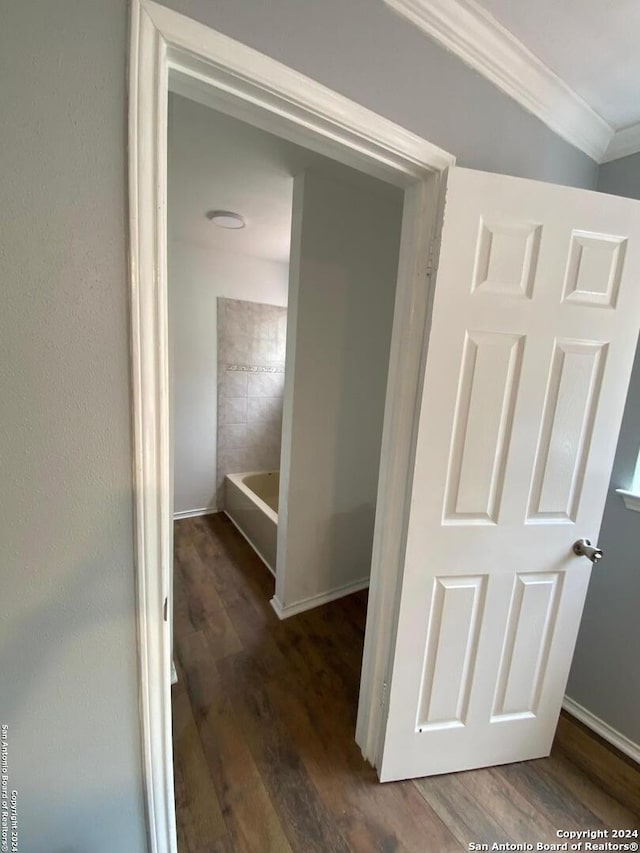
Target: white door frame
229 76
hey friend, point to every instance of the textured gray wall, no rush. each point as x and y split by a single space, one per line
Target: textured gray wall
68 686
365 51
67 643
621 177
605 676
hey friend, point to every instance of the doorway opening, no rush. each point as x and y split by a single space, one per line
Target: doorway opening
280 336
171 52
324 239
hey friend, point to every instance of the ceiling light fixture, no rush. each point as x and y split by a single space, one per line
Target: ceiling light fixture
226 219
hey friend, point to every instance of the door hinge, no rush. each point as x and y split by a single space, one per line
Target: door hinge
383 698
165 609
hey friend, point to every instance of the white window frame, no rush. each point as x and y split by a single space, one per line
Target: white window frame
631 496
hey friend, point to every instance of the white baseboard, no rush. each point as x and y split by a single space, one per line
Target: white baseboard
316 600
607 732
193 513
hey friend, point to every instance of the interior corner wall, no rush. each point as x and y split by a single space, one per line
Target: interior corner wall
620 177
342 289
197 277
367 52
605 675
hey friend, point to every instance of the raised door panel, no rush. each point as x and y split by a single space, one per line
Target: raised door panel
454 621
523 665
572 397
487 392
506 258
594 269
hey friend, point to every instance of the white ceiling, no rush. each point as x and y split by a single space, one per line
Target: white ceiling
593 45
216 162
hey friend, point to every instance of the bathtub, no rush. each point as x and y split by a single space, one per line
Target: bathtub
251 502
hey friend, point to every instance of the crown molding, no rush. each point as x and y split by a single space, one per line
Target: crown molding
625 141
470 32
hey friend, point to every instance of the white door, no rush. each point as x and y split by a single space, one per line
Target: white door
535 320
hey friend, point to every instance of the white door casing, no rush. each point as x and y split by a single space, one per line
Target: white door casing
533 331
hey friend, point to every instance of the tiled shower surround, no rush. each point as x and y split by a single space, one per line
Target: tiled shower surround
251 356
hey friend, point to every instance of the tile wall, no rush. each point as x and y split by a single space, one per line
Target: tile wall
251 357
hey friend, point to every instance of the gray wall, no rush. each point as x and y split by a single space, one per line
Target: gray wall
344 263
605 676
214 160
620 177
197 277
67 627
68 659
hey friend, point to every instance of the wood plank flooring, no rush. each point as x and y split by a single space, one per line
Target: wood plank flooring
264 720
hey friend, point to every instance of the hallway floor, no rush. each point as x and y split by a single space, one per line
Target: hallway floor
264 720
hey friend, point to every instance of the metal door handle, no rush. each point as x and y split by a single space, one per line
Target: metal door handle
584 548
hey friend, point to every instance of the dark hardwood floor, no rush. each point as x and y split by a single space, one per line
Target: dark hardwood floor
264 719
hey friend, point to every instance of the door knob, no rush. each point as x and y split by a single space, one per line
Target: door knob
584 548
